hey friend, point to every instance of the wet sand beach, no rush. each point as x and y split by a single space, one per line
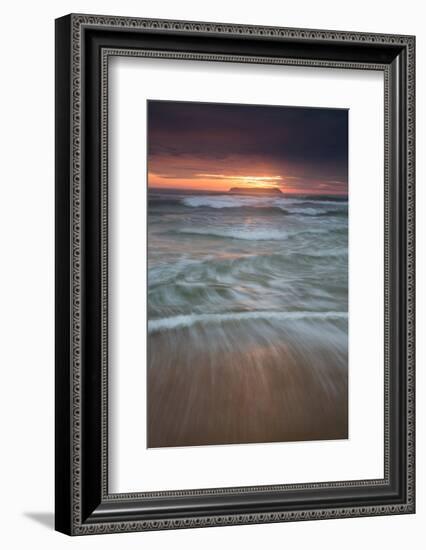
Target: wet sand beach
202 393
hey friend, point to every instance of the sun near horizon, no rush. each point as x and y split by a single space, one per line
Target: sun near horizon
225 183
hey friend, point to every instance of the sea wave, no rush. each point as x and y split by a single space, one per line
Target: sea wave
322 253
187 321
308 206
245 234
224 201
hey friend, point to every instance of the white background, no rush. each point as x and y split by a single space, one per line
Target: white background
360 456
26 301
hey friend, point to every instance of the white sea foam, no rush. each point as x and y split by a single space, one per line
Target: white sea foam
186 321
225 201
245 234
328 253
306 211
233 201
286 201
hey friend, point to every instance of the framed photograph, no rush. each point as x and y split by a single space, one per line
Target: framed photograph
234 274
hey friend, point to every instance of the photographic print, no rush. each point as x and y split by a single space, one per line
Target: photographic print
247 274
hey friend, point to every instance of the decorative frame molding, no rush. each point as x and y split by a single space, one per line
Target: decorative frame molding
83 504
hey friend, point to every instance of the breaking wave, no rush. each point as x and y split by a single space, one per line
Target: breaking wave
244 234
186 321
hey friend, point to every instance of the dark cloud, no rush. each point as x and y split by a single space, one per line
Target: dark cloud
301 142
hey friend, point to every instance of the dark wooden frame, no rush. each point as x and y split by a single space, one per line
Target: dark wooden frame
83 45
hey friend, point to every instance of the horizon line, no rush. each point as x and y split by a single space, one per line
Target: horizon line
284 192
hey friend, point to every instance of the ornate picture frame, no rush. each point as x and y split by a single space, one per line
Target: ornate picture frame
84 45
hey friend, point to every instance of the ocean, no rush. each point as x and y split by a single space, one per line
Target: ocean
247 318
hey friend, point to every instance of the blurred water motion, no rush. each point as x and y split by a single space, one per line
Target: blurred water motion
247 319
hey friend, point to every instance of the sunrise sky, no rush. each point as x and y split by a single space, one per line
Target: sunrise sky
213 147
